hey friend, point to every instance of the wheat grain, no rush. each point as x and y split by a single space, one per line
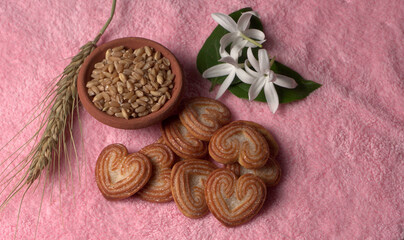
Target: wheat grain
127 75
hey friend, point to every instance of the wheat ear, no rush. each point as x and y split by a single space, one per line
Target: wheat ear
59 114
63 106
56 111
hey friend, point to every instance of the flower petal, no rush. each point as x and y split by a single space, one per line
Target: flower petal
238 40
225 41
236 48
263 60
256 88
223 53
225 21
217 70
229 60
244 77
255 34
249 71
285 81
252 60
244 21
226 83
251 13
272 96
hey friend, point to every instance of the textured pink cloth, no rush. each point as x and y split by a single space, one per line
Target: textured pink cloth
341 149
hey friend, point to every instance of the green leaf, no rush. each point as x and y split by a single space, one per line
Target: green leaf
209 54
304 88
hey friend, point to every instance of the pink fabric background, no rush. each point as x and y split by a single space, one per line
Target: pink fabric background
341 149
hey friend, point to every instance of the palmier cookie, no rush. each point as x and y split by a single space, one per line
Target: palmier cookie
160 140
273 145
158 188
270 174
119 175
234 201
188 179
239 143
203 116
178 138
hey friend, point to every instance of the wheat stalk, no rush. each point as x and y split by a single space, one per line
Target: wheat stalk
61 110
66 95
56 112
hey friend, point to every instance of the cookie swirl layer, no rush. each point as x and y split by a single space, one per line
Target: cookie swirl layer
178 138
188 178
203 116
158 189
119 175
234 201
239 143
270 174
272 143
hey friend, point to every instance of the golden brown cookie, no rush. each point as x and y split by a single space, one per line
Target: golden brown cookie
119 175
158 189
273 145
178 138
203 116
239 143
270 174
188 179
234 201
160 140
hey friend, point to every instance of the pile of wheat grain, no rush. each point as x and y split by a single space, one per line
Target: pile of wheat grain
131 83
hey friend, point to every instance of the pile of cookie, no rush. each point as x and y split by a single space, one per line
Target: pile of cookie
233 186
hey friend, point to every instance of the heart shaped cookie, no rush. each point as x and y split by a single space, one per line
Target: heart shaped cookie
234 201
270 174
188 179
158 189
119 175
273 145
203 116
239 143
183 143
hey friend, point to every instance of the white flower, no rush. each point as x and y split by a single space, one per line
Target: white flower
239 34
264 77
229 67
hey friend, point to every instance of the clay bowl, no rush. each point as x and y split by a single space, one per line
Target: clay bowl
133 123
